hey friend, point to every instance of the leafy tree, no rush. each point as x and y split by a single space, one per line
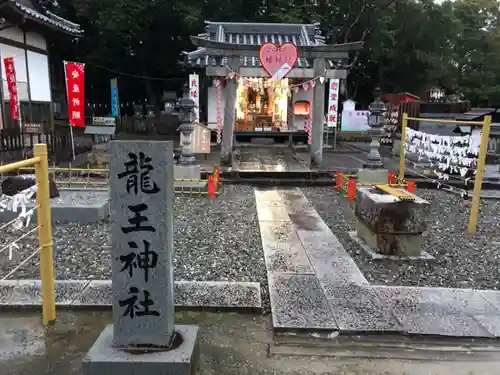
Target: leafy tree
410 45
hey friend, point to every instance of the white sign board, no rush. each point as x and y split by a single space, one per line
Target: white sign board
194 90
355 121
333 102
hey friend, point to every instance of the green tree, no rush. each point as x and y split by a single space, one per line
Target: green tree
475 72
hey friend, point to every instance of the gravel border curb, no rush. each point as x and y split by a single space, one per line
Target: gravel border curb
98 293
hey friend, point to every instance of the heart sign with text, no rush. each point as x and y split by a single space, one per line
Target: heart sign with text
276 60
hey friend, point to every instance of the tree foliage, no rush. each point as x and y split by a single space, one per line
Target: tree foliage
410 45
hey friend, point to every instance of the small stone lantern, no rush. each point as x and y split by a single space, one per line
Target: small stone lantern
376 122
187 126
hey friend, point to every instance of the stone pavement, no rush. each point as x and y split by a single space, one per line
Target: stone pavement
314 283
98 293
267 159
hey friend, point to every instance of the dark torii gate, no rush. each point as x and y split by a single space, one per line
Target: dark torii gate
319 54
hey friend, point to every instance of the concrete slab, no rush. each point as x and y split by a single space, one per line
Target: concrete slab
277 232
298 302
356 308
73 206
286 258
491 296
194 294
490 323
328 257
104 358
437 311
29 292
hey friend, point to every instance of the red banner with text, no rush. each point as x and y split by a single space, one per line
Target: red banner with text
75 89
10 71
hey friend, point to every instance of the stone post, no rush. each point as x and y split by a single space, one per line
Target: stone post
376 122
143 338
318 113
186 116
229 114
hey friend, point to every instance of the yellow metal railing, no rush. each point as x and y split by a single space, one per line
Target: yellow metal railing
98 179
44 221
476 198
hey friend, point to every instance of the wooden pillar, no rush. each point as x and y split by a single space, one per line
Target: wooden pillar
318 112
229 114
30 107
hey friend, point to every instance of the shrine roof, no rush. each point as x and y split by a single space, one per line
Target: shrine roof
256 34
34 11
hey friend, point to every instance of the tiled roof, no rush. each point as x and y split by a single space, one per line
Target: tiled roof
49 18
474 113
255 34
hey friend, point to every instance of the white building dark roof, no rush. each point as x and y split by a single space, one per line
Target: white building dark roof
256 34
32 10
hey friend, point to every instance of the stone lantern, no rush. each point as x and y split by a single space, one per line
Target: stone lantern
376 121
187 126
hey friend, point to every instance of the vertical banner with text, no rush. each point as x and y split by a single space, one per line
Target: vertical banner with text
75 89
115 101
333 102
10 71
194 91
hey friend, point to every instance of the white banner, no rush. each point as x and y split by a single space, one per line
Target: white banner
194 91
333 102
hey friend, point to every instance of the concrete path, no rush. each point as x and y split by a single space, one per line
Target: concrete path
230 344
314 283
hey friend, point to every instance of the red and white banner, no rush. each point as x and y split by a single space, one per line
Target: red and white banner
333 102
75 90
218 96
10 71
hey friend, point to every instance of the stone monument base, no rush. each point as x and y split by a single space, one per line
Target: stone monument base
388 225
410 246
372 176
187 172
103 358
71 207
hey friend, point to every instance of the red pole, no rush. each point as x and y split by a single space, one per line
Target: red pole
351 189
338 180
411 186
391 178
211 187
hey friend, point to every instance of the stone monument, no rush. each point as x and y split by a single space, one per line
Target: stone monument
186 168
373 169
388 226
143 338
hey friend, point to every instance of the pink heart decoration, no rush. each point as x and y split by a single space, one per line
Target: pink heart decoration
272 57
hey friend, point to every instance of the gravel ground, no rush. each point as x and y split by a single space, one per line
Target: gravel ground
215 239
462 261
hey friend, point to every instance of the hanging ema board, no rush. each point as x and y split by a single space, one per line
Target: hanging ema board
102 126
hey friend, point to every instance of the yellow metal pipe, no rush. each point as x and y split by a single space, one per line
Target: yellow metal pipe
44 221
476 198
19 164
446 121
404 126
